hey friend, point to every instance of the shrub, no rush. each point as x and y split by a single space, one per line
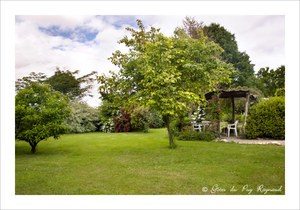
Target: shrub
140 119
83 118
156 121
280 92
122 123
267 119
177 125
107 111
190 135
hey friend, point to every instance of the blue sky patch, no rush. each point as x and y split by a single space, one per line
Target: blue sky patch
79 34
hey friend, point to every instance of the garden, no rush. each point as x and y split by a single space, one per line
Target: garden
158 127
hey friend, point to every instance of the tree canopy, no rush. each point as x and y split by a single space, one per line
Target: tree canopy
164 73
269 80
39 113
62 81
244 71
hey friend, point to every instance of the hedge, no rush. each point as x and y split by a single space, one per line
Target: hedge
267 119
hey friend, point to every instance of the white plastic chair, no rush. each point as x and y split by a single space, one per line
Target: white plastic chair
196 126
232 127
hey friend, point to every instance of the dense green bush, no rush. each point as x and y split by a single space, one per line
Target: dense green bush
140 119
106 112
267 119
83 118
156 120
280 92
190 135
178 124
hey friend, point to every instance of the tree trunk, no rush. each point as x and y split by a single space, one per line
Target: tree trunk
167 121
33 146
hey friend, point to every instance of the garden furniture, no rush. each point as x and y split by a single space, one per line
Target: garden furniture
233 127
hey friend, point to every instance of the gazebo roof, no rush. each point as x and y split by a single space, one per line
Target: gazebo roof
230 94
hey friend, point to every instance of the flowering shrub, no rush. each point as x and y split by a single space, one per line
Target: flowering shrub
108 126
213 108
122 123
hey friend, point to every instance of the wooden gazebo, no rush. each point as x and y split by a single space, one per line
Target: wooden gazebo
235 94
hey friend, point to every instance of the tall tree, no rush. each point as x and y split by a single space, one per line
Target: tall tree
164 73
244 74
62 81
39 113
269 80
67 83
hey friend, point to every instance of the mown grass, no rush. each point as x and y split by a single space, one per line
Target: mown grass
142 163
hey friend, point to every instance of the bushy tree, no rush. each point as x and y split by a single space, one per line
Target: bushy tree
164 73
39 113
62 81
269 80
83 118
244 69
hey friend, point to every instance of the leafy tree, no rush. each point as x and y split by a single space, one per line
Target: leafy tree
62 81
164 73
270 80
244 74
39 113
83 118
66 83
32 77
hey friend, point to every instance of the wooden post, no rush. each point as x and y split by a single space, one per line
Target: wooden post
233 109
246 111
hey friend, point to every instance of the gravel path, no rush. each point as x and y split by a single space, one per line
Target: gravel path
258 141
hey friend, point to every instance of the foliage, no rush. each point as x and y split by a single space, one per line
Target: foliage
267 119
140 118
62 81
107 126
280 92
106 112
190 135
244 74
123 122
156 120
177 125
66 83
83 118
32 77
39 113
270 80
213 107
164 73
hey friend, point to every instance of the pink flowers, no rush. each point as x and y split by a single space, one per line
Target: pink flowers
213 97
208 111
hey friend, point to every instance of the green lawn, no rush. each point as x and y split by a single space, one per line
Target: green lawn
142 163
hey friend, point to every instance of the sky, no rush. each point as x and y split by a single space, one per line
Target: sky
44 43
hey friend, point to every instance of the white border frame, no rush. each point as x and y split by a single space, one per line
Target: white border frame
11 8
